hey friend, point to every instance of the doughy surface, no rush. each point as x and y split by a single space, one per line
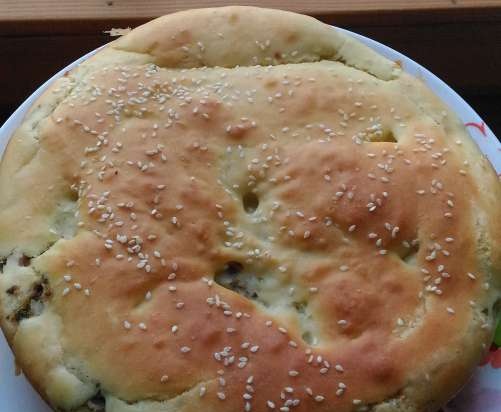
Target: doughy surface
241 209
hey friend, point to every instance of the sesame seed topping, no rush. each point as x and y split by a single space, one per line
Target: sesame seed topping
128 225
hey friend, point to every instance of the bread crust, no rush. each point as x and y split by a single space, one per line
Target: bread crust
357 222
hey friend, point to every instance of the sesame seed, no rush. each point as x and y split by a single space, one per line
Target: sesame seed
142 326
319 398
185 349
221 396
394 232
164 379
293 373
451 311
127 325
270 404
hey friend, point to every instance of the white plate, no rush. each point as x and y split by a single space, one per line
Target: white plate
483 394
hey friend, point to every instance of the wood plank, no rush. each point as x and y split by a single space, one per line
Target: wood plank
84 16
92 9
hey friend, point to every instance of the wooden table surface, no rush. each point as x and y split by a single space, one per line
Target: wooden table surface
459 40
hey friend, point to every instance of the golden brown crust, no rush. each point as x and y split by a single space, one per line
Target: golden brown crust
364 280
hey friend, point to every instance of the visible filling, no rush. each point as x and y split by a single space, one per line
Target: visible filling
97 403
34 304
273 295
